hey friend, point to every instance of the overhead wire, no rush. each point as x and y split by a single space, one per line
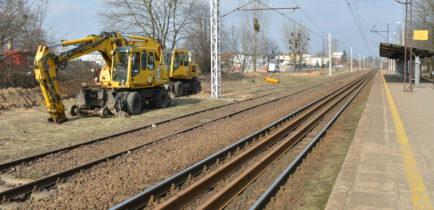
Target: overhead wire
316 25
310 19
238 8
359 26
321 36
292 20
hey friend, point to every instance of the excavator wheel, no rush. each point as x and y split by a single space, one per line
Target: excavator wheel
178 88
196 87
134 103
73 110
162 99
104 112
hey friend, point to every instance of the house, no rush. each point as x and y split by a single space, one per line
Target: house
94 57
15 57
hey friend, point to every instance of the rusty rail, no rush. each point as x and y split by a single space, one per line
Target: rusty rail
53 179
221 198
140 200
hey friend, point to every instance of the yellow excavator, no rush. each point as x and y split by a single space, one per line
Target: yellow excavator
134 75
183 74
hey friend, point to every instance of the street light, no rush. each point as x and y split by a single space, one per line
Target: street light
402 28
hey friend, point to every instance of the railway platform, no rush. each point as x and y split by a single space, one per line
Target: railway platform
390 164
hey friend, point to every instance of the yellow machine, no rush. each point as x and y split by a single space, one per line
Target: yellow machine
183 74
134 75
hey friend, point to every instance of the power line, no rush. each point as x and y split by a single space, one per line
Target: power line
283 8
238 8
359 27
310 19
290 19
316 25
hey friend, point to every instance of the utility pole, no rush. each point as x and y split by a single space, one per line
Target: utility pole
215 41
215 49
360 64
374 30
351 59
381 63
330 54
378 32
364 62
408 26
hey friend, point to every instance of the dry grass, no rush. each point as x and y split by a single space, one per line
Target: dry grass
25 131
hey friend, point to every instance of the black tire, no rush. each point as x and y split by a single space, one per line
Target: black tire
134 103
162 99
178 88
196 86
73 110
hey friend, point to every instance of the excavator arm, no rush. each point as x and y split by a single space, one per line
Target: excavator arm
47 64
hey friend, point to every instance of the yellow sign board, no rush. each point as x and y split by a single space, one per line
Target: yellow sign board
420 35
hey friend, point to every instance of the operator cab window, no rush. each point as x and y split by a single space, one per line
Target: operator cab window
185 59
143 60
176 62
135 64
151 61
168 57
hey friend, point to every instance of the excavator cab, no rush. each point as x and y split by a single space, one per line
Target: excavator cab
183 74
137 80
179 63
138 67
120 65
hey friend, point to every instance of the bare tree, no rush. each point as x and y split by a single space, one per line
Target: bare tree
297 40
21 30
21 23
424 19
257 20
165 20
269 48
240 39
198 39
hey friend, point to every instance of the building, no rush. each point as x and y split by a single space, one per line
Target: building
94 56
15 57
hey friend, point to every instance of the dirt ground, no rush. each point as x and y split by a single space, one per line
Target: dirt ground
11 98
24 129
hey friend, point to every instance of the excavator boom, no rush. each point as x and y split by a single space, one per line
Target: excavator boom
47 64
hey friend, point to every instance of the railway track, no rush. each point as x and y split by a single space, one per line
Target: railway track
215 181
51 179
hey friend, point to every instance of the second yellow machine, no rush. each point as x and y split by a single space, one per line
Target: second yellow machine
183 74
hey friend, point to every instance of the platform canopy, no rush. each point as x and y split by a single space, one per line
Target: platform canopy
394 51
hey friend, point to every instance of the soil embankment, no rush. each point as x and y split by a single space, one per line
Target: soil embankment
29 97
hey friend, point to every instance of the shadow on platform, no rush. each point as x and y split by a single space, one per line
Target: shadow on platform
392 78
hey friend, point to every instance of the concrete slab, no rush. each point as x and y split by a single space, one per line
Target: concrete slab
374 174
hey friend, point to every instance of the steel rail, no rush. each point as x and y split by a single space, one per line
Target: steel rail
141 199
224 196
13 163
275 186
296 131
54 178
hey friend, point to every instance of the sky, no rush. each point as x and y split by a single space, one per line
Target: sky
71 19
